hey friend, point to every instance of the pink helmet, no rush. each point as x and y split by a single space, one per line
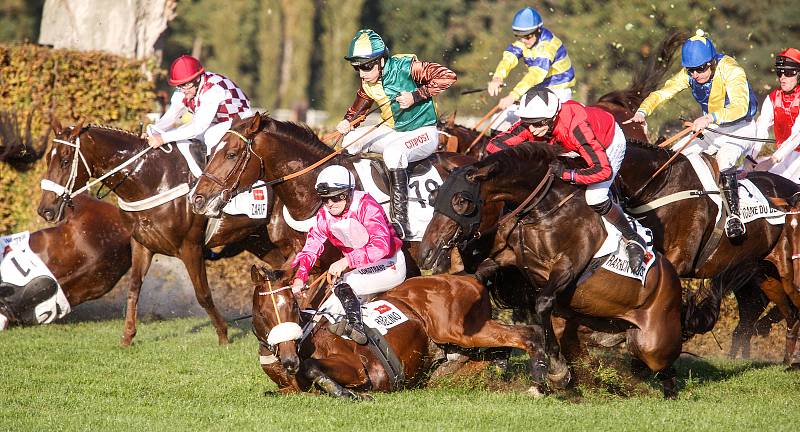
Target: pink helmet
184 69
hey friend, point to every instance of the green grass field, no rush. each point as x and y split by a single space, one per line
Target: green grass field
175 377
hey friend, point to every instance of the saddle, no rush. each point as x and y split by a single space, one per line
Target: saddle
380 173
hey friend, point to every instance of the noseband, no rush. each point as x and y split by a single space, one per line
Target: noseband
65 192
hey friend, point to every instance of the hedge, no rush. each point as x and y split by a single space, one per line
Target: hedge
97 87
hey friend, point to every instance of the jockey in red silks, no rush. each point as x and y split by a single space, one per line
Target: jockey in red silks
595 136
780 111
357 225
213 100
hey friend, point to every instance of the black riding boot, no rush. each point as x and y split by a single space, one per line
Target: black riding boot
612 212
730 188
399 205
351 326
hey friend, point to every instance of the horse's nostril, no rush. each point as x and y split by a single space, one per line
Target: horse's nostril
48 215
199 201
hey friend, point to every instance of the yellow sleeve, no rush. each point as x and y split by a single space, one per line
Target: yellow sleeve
673 86
507 63
735 81
542 60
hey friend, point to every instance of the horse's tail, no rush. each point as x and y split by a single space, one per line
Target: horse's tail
648 79
700 309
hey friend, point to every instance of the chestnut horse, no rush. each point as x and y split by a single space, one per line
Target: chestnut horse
443 311
170 228
553 245
88 252
262 148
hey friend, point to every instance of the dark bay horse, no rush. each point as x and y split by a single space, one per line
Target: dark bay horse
170 228
553 245
88 252
263 148
684 229
442 311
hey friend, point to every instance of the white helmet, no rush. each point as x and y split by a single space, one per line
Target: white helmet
539 104
334 180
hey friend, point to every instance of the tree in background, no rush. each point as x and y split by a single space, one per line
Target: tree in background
20 20
339 22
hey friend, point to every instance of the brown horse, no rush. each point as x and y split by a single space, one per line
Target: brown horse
88 252
443 311
170 228
553 245
765 251
266 149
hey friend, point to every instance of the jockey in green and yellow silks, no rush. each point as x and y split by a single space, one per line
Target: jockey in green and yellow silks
549 65
728 102
403 87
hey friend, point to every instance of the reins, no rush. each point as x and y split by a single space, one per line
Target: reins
483 132
668 162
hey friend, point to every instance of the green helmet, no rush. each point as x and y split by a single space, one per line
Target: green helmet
365 47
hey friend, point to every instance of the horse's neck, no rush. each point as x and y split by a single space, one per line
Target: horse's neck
152 173
639 166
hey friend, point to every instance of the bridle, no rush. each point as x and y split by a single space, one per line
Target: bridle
227 192
274 345
65 193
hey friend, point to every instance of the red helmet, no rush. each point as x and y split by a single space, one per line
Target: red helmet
789 58
184 69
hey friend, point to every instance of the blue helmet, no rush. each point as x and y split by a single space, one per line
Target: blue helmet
526 21
697 50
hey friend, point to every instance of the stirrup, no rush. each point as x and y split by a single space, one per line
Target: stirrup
734 226
398 229
344 328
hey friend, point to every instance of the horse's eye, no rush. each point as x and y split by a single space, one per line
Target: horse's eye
64 163
230 155
462 206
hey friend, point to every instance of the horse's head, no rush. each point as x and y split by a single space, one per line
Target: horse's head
67 170
276 316
458 206
234 167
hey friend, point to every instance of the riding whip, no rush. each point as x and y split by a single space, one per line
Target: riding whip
477 90
356 120
483 132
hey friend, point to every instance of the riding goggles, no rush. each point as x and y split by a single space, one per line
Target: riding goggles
699 69
328 189
537 122
335 198
528 35
366 67
787 72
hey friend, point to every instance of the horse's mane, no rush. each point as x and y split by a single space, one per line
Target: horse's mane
295 132
648 79
113 129
648 146
519 159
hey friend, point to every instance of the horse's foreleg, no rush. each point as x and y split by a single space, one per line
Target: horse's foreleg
313 370
140 263
192 257
750 305
560 277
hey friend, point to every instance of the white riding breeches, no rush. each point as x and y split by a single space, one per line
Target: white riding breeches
398 148
789 167
728 151
378 277
503 120
598 192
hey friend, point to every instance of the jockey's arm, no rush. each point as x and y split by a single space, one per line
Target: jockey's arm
518 133
508 62
789 145
360 106
538 69
202 119
673 86
592 152
175 111
313 248
431 78
763 123
736 90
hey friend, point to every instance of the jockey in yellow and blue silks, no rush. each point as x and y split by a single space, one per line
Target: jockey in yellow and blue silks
547 60
403 87
720 86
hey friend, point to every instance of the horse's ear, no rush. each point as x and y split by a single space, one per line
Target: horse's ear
479 174
255 276
55 124
76 130
451 120
254 125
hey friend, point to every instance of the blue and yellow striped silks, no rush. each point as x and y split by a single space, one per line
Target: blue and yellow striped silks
548 64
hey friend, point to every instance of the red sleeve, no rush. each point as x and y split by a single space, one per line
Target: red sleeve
518 133
360 106
590 149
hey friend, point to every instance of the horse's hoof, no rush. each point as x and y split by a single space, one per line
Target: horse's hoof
535 392
223 340
560 379
366 397
794 367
